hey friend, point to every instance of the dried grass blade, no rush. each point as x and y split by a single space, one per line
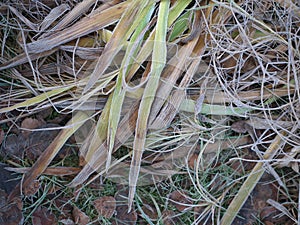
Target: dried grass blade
53 15
188 105
177 66
23 18
79 29
125 131
53 171
121 33
38 99
158 63
76 12
146 50
100 132
119 92
250 183
195 46
23 58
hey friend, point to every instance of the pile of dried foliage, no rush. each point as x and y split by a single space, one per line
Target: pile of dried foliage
145 91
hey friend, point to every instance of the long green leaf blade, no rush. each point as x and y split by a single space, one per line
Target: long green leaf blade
158 63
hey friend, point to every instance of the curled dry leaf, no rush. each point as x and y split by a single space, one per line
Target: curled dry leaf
105 206
42 216
180 200
80 217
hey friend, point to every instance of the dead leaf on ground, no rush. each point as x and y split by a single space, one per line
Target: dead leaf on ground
150 211
180 200
13 146
125 218
8 179
257 201
63 204
121 195
241 166
38 141
240 127
67 222
10 212
122 215
80 217
270 215
42 216
29 124
202 215
169 218
105 206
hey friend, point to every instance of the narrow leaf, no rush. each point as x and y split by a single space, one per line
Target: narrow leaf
158 63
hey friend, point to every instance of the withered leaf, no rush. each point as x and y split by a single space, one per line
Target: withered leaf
124 217
29 123
105 206
42 216
180 200
169 217
80 217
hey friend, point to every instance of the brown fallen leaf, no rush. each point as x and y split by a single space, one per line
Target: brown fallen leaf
67 222
105 206
8 179
10 212
38 141
42 216
202 215
257 202
240 166
64 205
80 217
56 171
169 218
270 215
180 200
13 146
29 124
124 217
150 211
